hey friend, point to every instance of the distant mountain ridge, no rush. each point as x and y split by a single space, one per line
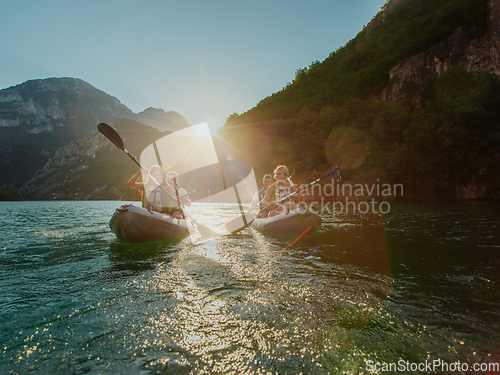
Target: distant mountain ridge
38 117
161 120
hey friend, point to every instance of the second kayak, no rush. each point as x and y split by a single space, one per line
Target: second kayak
291 223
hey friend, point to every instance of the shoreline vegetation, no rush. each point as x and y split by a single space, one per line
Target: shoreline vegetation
438 134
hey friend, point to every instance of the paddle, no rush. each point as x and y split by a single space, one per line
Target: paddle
235 225
307 163
115 138
177 192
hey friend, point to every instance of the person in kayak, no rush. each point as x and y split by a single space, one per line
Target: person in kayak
173 180
259 196
154 197
280 189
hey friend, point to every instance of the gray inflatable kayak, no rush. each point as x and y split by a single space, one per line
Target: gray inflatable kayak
292 223
137 225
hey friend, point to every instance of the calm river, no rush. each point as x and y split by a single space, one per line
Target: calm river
417 286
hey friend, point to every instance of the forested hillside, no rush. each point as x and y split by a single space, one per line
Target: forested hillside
437 135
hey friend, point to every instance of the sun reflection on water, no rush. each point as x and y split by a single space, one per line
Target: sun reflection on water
217 306
225 324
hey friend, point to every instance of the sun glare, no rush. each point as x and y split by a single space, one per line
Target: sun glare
202 130
208 128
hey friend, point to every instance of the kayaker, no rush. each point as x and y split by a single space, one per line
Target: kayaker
259 196
280 189
154 197
173 180
132 183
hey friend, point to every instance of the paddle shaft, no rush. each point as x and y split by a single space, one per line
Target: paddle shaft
177 192
307 163
115 138
246 222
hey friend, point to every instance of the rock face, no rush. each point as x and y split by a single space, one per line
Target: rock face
40 116
480 54
475 54
70 156
92 167
55 103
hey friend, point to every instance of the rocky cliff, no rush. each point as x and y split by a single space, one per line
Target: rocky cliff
92 167
46 182
40 116
463 48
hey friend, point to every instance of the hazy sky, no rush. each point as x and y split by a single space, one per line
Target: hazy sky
205 59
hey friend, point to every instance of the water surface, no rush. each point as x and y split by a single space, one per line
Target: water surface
419 283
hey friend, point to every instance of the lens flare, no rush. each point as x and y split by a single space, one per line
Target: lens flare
290 243
346 147
309 257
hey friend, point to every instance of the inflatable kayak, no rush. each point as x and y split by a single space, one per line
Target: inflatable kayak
294 222
136 225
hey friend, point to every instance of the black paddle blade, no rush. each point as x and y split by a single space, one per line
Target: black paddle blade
332 172
111 134
307 164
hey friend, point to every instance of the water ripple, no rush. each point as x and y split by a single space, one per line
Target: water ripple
74 299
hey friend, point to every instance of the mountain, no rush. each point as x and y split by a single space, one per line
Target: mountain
38 117
92 167
163 121
413 99
464 48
